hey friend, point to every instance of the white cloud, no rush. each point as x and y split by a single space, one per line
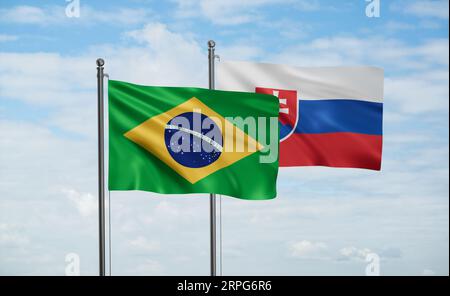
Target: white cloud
25 14
156 224
423 8
49 80
392 53
39 158
434 51
354 253
165 208
419 93
42 78
10 237
305 249
430 24
51 15
307 5
398 26
391 253
241 52
123 16
289 29
236 12
165 58
231 12
143 244
85 203
147 267
35 164
428 272
8 38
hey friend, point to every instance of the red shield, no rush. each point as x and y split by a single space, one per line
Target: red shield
288 115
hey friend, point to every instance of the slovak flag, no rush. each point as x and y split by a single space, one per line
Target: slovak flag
329 116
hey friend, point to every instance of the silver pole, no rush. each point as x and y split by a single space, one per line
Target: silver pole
101 168
212 197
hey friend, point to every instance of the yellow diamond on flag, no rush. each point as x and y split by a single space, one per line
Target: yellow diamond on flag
153 133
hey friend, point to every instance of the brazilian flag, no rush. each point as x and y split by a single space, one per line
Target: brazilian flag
177 140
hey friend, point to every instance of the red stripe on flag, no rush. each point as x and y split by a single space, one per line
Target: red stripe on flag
350 150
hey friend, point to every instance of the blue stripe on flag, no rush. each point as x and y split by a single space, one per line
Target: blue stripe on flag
328 116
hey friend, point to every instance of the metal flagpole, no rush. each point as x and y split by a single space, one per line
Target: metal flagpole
212 197
101 168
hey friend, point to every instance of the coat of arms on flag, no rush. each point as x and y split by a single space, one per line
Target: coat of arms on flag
288 113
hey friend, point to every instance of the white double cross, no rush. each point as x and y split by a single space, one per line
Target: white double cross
282 101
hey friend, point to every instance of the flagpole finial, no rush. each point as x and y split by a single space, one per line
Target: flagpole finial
100 62
211 44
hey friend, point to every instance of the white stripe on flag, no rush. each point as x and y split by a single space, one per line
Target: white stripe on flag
361 83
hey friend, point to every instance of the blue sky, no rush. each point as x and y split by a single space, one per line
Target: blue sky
324 220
